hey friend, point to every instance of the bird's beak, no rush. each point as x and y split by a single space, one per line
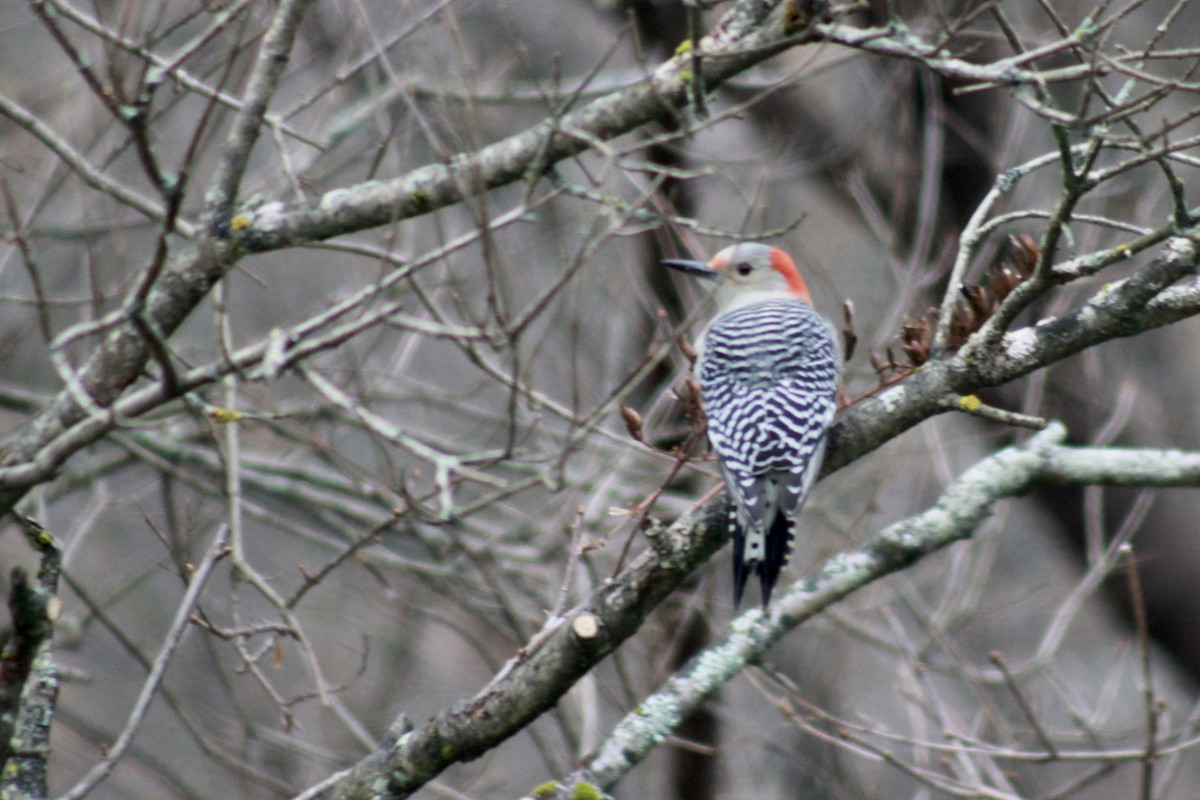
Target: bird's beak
697 268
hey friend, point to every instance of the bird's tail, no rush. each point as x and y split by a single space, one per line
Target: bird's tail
740 571
779 546
775 551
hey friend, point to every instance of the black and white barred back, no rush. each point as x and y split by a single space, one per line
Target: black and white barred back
769 379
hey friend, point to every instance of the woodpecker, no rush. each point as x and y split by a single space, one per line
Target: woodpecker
768 369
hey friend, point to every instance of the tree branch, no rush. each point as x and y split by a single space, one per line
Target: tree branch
1122 308
179 626
736 45
247 123
1043 460
548 667
745 36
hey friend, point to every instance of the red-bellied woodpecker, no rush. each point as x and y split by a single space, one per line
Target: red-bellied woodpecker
768 369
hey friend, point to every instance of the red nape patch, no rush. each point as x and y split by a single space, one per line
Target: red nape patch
783 264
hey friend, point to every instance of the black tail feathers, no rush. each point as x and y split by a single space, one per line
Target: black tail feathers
740 574
778 547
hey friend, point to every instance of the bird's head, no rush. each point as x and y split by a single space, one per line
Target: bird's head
748 273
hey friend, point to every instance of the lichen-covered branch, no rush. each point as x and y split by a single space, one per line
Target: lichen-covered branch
372 347
534 680
1043 460
247 124
28 674
546 669
119 360
1126 307
748 34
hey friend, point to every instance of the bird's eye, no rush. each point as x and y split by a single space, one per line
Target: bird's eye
744 268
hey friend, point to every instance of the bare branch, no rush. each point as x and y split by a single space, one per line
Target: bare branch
1043 460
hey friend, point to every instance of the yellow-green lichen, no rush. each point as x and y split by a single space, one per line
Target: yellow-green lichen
544 790
223 416
421 200
684 47
969 403
585 791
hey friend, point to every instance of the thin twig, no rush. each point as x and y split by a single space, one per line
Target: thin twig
1138 607
150 686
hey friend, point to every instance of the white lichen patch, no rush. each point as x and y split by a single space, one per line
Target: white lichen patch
936 521
653 720
662 706
850 564
334 197
893 399
743 624
1020 345
359 196
1181 248
716 666
266 217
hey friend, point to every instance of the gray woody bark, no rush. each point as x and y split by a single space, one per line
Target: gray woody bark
28 674
1041 461
549 666
747 35
737 43
570 646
